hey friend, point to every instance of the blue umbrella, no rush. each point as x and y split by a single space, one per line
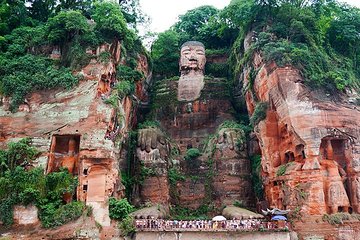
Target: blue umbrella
278 217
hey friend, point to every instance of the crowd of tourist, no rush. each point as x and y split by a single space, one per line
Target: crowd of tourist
208 225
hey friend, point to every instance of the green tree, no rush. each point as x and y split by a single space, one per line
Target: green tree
165 54
109 20
41 9
23 39
132 12
13 13
192 21
344 33
19 154
64 29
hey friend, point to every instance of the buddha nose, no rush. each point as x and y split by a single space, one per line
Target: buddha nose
192 56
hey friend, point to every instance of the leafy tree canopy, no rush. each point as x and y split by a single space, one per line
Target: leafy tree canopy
320 38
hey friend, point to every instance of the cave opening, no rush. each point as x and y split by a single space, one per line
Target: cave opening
64 152
289 157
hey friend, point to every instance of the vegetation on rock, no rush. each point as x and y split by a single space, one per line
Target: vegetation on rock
256 176
21 186
119 209
28 33
191 158
320 38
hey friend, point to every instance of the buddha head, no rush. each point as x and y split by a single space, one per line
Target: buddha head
192 56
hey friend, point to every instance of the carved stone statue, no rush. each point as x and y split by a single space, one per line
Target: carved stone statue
169 175
192 66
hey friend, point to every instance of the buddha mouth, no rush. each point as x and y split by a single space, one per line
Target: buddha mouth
193 61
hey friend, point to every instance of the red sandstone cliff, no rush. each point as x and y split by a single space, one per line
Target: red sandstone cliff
309 143
76 129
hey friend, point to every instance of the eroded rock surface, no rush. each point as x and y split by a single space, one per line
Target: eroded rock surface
77 130
309 143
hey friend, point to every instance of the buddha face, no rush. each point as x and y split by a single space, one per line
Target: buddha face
192 57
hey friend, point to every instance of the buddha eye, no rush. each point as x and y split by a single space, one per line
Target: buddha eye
200 52
186 52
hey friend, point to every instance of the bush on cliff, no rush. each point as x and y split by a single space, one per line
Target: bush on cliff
119 209
53 216
25 65
127 226
259 113
22 75
191 158
21 186
320 38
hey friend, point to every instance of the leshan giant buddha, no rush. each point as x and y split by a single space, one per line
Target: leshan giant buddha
192 158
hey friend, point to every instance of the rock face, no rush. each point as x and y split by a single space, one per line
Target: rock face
221 175
77 130
26 215
309 143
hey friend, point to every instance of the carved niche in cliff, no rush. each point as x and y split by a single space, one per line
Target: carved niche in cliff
97 180
335 158
64 152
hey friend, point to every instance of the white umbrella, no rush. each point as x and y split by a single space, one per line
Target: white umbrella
219 218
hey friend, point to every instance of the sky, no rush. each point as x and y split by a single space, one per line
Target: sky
164 13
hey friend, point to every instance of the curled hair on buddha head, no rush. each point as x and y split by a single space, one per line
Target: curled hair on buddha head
193 43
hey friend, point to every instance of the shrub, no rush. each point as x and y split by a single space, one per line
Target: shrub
174 176
113 100
76 58
217 69
183 213
336 218
18 153
124 88
239 204
192 153
104 57
127 226
52 216
22 75
191 158
231 124
282 169
119 209
149 124
259 113
128 74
